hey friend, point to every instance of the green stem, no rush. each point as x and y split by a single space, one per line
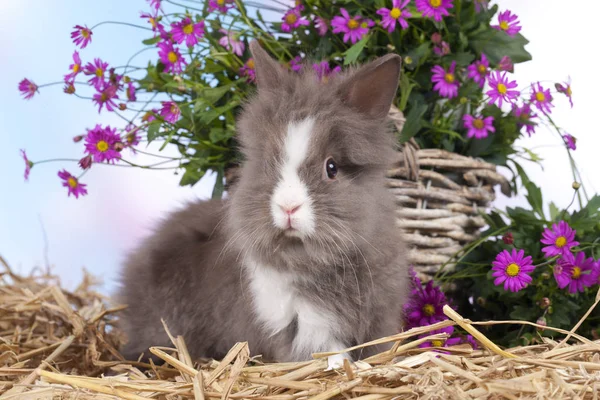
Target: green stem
120 23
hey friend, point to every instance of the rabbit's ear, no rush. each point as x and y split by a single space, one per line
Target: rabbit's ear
269 73
372 88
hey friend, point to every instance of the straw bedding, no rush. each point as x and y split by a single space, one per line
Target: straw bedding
56 344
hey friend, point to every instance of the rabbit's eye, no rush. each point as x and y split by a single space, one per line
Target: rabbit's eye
331 168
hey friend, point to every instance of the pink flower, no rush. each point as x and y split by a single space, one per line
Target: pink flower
570 141
231 43
541 98
435 9
442 49
155 4
131 92
171 57
352 27
506 64
75 68
559 240
132 136
575 271
296 64
512 269
221 5
566 90
86 162
248 70
525 117
478 127
105 97
321 25
100 144
397 14
170 111
97 71
81 36
28 164
500 89
27 88
479 70
324 71
187 31
292 19
70 182
446 82
508 23
440 342
153 20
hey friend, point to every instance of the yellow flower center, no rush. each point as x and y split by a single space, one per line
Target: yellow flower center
188 29
539 96
437 343
364 25
504 25
152 22
482 69
102 146
513 269
72 182
449 77
291 18
428 310
220 2
435 3
174 109
250 64
395 13
478 123
76 68
353 24
85 33
576 272
560 241
172 56
103 97
99 72
130 138
501 88
568 91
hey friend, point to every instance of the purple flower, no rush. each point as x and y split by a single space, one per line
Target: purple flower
171 57
150 116
28 164
500 89
321 25
155 4
231 43
478 127
575 271
105 97
481 5
85 162
559 240
248 70
506 64
75 68
570 141
541 98
221 5
471 340
524 116
296 64
479 70
81 36
153 21
566 90
97 70
351 27
508 23
132 136
292 19
425 305
187 31
324 71
170 111
435 9
512 269
442 49
69 181
446 82
131 92
397 14
100 143
440 342
27 88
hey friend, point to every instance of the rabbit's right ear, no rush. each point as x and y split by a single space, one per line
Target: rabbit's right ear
269 72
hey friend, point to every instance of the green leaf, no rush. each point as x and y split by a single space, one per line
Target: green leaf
191 175
353 52
219 186
413 123
554 211
153 128
151 41
534 197
496 44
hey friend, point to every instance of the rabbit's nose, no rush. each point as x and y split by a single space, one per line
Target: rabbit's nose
290 209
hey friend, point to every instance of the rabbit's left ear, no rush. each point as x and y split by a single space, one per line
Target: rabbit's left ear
269 72
372 88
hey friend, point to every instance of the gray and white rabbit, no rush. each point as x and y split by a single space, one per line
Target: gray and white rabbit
305 256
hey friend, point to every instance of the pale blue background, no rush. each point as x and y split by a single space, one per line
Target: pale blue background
96 231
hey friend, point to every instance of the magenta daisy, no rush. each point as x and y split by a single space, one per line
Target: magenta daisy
81 36
442 49
170 111
248 70
575 271
506 64
397 14
131 92
351 27
150 116
425 305
440 342
435 9
541 98
558 240
321 25
97 70
171 57
231 42
478 127
132 136
86 162
501 89
221 5
479 70
153 20
512 269
296 64
28 164
187 31
508 23
446 82
105 98
566 90
525 116
75 187
27 88
154 4
324 71
100 142
75 68
570 141
292 19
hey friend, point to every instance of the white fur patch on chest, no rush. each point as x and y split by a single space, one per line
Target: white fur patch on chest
277 303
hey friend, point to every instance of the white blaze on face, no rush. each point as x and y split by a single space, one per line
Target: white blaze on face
291 206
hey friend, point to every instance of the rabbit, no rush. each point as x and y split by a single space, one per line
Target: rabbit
304 256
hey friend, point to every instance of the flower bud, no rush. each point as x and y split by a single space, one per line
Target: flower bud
126 79
436 38
576 185
550 310
545 303
506 64
178 79
464 100
69 88
391 47
481 301
118 146
408 60
541 321
508 238
78 138
545 276
86 162
122 106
